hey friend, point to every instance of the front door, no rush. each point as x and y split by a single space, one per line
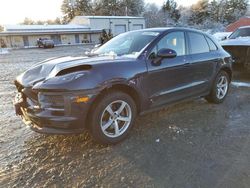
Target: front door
169 80
77 39
25 41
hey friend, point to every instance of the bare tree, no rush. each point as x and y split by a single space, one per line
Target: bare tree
153 16
1 28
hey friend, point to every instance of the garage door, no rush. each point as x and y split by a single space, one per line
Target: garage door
119 29
137 26
56 39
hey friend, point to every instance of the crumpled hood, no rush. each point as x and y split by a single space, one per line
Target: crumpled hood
51 67
241 41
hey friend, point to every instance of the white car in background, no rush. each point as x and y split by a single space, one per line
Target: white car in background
238 45
221 35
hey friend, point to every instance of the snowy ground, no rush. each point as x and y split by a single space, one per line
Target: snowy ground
3 51
192 144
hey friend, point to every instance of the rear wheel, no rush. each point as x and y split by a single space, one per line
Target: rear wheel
219 89
112 117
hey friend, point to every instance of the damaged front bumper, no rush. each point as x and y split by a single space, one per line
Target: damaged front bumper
53 112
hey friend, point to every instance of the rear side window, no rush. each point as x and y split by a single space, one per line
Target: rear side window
211 44
198 43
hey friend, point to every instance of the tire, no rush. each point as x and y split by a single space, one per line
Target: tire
219 89
111 129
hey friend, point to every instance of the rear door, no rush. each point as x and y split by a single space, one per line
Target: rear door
203 61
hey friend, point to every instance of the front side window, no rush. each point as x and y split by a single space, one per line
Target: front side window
174 41
242 32
198 43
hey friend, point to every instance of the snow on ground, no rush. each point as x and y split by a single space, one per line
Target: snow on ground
192 144
241 84
4 51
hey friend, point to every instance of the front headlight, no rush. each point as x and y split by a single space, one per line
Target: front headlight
64 78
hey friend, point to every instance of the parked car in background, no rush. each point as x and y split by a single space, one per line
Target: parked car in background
134 73
221 35
45 43
238 45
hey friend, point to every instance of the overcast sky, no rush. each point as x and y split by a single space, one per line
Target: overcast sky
14 11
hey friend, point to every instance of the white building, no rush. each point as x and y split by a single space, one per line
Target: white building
117 24
82 29
18 36
248 9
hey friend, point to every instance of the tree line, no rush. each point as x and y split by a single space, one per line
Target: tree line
29 21
72 8
204 14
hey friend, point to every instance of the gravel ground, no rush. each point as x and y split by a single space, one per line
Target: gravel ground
192 144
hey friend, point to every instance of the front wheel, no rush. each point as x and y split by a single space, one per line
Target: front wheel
219 89
112 117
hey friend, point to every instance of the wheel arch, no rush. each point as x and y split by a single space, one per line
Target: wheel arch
228 71
118 87
131 91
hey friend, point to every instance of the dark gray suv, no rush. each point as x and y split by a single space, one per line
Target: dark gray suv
134 73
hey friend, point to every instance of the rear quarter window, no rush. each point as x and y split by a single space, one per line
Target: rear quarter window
198 43
211 44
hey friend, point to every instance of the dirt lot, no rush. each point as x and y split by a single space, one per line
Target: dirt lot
193 144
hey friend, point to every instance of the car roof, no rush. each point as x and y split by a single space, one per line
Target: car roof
247 26
164 29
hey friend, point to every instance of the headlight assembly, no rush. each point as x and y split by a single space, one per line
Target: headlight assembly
65 78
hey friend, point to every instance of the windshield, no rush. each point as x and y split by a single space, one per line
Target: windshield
127 44
243 32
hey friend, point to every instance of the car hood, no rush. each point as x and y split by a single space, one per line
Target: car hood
242 41
55 66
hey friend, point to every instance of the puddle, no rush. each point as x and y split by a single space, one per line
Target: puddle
241 84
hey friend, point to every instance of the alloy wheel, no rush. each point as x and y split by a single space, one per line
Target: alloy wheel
222 87
116 118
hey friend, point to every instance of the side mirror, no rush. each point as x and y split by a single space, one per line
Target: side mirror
166 53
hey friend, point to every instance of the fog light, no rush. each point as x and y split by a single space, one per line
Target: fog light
82 99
